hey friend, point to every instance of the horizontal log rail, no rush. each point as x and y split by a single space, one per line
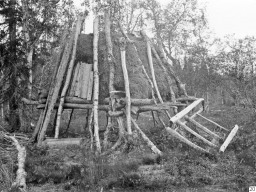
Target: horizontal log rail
185 111
196 134
216 124
77 106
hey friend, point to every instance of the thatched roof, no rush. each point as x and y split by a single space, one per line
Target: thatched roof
139 85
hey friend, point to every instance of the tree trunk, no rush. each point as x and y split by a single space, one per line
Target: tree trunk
96 83
14 119
112 62
127 85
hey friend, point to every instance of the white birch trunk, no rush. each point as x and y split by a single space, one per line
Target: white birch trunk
96 83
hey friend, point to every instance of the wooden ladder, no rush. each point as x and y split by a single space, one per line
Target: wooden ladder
210 139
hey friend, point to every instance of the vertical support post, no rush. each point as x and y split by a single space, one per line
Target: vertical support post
122 42
96 83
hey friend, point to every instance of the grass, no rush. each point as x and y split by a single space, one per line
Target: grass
180 169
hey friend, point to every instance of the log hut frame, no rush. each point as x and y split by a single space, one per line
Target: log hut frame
76 86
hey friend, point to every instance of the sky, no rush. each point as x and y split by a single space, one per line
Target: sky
226 17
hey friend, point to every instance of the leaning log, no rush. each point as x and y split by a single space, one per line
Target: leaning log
69 74
54 92
146 139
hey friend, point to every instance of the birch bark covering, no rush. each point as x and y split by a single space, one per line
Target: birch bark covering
96 83
69 73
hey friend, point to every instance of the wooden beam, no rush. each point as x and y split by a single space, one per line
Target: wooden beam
186 99
229 138
185 111
213 122
191 120
183 139
76 106
196 134
66 141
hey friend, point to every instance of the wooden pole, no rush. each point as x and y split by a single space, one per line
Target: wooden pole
96 83
183 139
196 134
112 100
122 42
185 111
143 33
146 139
150 61
69 74
229 138
216 124
191 120
53 95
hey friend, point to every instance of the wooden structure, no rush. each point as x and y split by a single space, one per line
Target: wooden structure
75 85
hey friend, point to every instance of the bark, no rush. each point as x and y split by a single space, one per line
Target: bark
96 83
127 85
69 74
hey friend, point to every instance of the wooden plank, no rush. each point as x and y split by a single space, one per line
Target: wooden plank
183 139
85 82
191 120
90 86
196 134
79 81
213 122
66 141
76 87
229 138
75 80
185 111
